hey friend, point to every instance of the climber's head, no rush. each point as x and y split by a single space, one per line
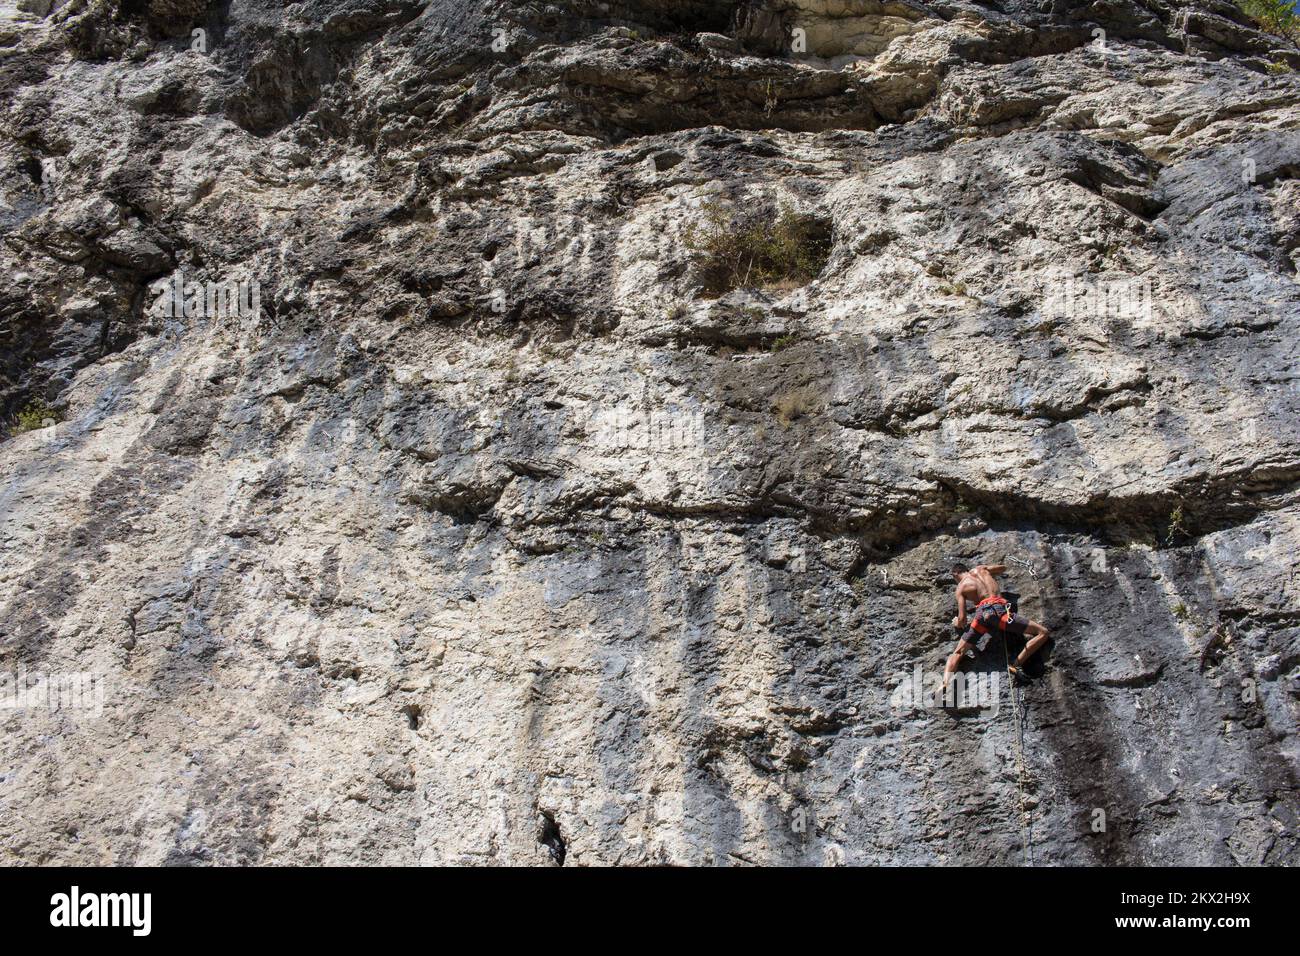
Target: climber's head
958 570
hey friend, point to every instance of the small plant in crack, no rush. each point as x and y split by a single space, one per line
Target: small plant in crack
793 405
35 415
747 250
1176 526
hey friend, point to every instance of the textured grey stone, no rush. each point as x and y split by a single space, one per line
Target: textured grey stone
491 539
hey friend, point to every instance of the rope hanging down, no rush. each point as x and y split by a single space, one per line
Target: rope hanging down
1017 713
1026 823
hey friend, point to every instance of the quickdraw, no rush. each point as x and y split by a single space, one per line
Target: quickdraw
1024 564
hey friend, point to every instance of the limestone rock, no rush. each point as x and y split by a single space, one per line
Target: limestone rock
454 519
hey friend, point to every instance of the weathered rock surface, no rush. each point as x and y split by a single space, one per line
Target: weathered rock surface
491 539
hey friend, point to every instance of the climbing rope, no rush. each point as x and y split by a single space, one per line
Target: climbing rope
1026 822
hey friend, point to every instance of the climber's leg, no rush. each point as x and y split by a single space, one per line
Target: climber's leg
1038 636
1012 623
954 660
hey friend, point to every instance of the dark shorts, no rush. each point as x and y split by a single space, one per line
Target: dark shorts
991 619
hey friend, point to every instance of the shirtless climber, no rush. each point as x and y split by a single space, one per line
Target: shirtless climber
993 611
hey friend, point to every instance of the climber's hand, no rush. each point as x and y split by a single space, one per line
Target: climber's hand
959 622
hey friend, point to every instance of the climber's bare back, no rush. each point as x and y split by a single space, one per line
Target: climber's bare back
978 583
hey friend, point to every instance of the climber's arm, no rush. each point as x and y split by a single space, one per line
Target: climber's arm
960 620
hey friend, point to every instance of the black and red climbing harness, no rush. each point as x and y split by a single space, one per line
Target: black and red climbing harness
991 612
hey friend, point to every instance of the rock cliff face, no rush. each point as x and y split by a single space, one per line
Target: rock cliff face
454 517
